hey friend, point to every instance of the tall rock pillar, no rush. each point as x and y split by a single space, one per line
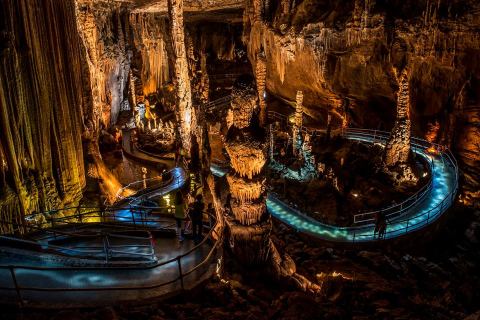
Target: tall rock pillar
397 148
184 110
248 223
260 75
297 122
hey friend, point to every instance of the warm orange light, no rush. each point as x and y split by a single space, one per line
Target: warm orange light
433 150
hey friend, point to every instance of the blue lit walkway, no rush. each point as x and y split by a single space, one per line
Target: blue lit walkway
425 211
27 278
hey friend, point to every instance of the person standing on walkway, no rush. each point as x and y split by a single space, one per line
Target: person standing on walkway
179 215
196 214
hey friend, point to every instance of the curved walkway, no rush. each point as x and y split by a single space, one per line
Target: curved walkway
175 268
418 215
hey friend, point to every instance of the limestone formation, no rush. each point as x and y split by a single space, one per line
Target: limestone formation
297 122
184 108
260 77
397 149
249 224
108 60
41 108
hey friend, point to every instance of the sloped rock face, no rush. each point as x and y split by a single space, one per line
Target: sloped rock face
41 103
341 54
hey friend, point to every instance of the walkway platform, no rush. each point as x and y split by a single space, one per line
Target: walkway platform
171 266
417 215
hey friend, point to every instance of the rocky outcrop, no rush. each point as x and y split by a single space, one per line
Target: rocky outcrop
41 108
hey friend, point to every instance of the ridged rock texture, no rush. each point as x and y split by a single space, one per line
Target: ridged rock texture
341 55
297 122
150 42
104 30
249 224
184 108
41 103
397 148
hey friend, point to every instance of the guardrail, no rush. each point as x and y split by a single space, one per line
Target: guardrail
105 252
414 222
210 106
186 276
145 185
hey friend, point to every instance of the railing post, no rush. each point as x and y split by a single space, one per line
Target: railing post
105 248
180 272
17 289
79 215
133 218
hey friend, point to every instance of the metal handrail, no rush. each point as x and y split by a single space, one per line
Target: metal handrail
383 136
213 251
431 214
212 104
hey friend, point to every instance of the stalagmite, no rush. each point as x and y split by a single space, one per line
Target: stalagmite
249 224
297 122
397 149
260 76
184 109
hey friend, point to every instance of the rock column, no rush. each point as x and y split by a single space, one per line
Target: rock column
248 223
398 146
184 109
260 74
298 122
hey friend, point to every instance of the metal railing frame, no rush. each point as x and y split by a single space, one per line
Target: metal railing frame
212 236
417 143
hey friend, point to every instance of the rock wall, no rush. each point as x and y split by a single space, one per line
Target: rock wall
105 34
341 55
150 38
41 107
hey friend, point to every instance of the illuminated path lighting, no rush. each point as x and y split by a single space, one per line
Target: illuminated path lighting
426 211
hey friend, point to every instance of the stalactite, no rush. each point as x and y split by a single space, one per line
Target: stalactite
150 36
107 57
184 109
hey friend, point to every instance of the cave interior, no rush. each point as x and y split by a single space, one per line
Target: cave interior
243 159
